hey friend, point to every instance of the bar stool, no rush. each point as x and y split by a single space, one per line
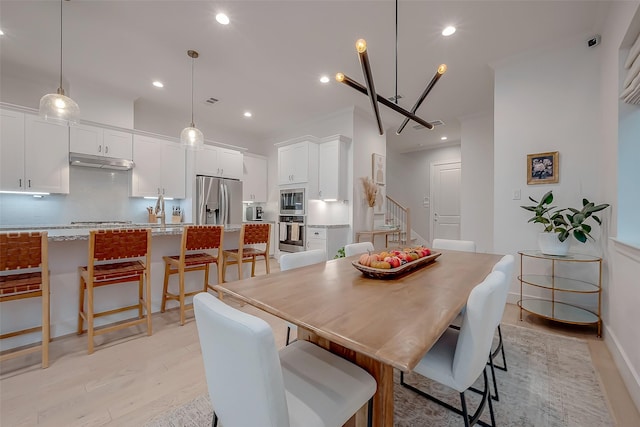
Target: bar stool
194 238
109 245
250 234
19 251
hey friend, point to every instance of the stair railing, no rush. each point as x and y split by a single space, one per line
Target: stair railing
400 217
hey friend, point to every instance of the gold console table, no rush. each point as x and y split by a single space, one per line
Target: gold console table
552 309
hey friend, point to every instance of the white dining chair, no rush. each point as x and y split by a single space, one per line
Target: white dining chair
454 245
293 260
505 265
358 248
459 357
252 384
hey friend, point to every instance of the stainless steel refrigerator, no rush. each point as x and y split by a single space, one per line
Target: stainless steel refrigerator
218 200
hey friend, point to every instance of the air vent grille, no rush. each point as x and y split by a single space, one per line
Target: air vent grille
433 122
211 101
394 98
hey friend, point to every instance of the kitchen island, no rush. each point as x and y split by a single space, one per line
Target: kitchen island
68 250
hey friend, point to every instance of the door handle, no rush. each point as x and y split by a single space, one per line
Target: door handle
99 148
106 149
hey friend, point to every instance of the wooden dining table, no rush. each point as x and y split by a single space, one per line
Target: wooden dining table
377 324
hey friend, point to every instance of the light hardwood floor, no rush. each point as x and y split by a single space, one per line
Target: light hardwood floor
132 378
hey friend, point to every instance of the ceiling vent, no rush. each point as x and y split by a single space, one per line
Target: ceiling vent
433 122
394 98
210 101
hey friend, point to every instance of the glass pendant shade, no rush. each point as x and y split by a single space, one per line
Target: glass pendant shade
192 138
58 107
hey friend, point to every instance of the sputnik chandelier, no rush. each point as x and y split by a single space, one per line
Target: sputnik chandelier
370 90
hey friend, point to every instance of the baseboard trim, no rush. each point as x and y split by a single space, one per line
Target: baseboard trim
629 375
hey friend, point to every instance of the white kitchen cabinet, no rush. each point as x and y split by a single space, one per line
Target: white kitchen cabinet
254 181
160 168
328 238
333 169
217 161
298 164
101 142
34 154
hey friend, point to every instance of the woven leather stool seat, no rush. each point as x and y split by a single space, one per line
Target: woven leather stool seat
194 238
22 251
250 234
106 246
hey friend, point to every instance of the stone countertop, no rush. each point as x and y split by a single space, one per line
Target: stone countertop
328 226
60 233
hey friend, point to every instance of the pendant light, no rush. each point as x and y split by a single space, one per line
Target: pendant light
191 137
57 106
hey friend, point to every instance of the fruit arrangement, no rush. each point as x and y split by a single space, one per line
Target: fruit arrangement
393 259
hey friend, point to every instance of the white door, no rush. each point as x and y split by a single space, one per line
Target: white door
445 200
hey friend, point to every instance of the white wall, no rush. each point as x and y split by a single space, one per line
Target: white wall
409 181
477 180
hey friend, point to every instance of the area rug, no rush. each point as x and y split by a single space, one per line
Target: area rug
551 382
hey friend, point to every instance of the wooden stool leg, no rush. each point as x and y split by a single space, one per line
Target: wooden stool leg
81 306
45 323
140 296
220 280
224 268
206 277
165 288
266 263
90 315
253 266
181 280
239 268
147 298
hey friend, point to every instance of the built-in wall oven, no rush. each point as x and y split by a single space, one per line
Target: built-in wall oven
292 201
291 233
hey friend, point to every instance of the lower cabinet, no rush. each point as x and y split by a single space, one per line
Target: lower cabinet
329 238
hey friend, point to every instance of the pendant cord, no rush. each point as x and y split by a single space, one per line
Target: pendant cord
60 44
396 97
192 124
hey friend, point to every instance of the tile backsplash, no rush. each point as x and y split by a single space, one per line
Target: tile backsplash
94 195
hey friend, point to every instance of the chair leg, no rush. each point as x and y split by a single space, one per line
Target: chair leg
181 281
81 307
240 268
465 414
90 316
495 397
147 300
370 413
206 278
140 297
501 348
266 263
288 334
165 287
219 263
214 422
253 266
45 325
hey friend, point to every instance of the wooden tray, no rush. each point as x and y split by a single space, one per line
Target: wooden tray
391 273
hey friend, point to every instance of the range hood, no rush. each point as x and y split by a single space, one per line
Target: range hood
92 161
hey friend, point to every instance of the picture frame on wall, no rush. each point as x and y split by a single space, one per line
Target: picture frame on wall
378 169
380 205
542 168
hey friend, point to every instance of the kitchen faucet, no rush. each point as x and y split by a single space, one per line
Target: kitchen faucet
159 209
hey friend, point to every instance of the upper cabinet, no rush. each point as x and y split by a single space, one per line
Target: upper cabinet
254 185
298 166
34 154
101 142
217 161
160 168
333 168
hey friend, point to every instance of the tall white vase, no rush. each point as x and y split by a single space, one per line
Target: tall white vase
549 244
368 218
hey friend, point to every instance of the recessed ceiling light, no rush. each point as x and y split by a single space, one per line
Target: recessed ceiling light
248 114
449 30
324 79
158 83
443 138
1 33
222 18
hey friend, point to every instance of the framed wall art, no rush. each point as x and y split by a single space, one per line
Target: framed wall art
542 168
378 169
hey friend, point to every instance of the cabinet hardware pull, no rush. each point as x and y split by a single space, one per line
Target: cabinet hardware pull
106 149
20 183
29 183
99 148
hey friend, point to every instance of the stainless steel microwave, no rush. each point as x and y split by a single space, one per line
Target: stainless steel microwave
292 201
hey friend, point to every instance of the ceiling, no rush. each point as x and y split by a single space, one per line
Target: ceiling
269 58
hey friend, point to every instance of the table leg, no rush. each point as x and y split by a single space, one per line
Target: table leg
383 374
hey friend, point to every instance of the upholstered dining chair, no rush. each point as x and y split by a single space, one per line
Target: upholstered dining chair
250 234
505 265
454 245
459 357
116 256
195 240
293 260
20 252
252 384
358 248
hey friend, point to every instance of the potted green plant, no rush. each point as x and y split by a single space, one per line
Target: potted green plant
560 223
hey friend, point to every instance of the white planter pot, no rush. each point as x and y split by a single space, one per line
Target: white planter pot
549 244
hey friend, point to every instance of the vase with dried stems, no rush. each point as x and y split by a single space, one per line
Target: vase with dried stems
370 190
